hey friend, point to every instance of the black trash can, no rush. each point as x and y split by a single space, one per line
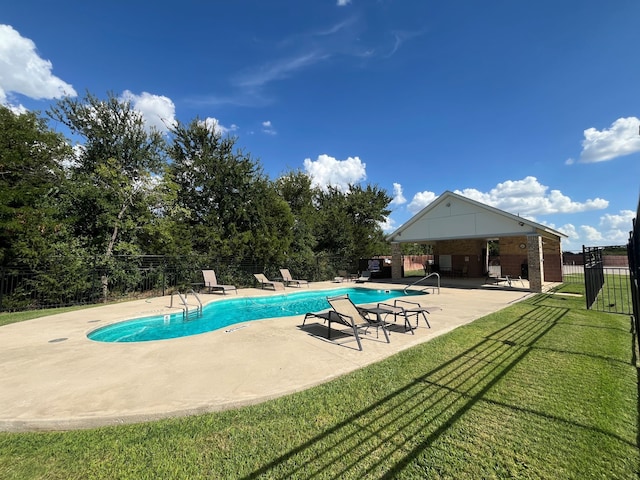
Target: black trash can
524 270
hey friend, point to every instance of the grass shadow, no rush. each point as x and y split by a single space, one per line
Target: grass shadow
383 438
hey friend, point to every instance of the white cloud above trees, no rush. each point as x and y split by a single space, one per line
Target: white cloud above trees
214 125
398 197
157 111
328 171
24 72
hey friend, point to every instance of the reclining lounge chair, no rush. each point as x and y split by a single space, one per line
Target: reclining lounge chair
407 310
265 282
288 280
365 276
211 283
346 313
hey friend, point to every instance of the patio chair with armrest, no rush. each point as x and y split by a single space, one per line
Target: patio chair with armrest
365 276
350 315
412 309
396 310
333 316
265 282
289 280
347 276
211 283
346 313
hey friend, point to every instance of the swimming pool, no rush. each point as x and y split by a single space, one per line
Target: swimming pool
228 312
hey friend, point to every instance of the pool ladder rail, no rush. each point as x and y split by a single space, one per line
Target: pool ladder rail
433 288
186 312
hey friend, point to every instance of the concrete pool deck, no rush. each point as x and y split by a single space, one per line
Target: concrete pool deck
53 377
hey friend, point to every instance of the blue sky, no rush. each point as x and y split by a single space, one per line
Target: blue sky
531 107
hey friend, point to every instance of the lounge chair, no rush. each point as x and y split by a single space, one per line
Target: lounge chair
406 310
324 315
211 283
347 276
345 312
288 280
265 282
365 276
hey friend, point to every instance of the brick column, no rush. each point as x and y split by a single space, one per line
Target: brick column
396 261
534 259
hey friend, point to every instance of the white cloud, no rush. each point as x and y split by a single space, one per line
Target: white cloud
268 128
612 229
624 220
591 234
568 229
278 70
421 200
157 110
528 197
23 72
327 171
615 228
214 125
342 3
398 197
389 225
623 138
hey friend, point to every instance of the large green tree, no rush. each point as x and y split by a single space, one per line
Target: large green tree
116 161
296 189
234 210
348 224
35 233
31 179
367 209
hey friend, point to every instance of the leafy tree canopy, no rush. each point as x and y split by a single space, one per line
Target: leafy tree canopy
31 178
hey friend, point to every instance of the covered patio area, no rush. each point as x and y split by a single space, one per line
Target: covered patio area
461 233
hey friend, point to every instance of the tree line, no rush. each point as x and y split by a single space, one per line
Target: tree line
118 187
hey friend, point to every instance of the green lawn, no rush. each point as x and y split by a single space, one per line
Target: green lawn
7 318
541 390
613 297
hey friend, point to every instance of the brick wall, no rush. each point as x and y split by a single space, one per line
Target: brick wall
465 254
552 260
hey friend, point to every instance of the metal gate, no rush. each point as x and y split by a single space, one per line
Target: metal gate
593 273
633 252
607 288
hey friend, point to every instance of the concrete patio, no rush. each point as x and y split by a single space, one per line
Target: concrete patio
54 378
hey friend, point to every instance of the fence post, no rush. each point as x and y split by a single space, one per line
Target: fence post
163 275
1 286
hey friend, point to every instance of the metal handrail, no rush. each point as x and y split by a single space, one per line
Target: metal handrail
191 290
424 278
183 300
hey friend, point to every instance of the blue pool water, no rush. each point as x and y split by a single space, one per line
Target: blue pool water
230 311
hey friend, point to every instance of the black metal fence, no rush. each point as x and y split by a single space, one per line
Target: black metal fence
633 253
593 273
67 282
614 295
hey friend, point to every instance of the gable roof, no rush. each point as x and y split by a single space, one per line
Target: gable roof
452 216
